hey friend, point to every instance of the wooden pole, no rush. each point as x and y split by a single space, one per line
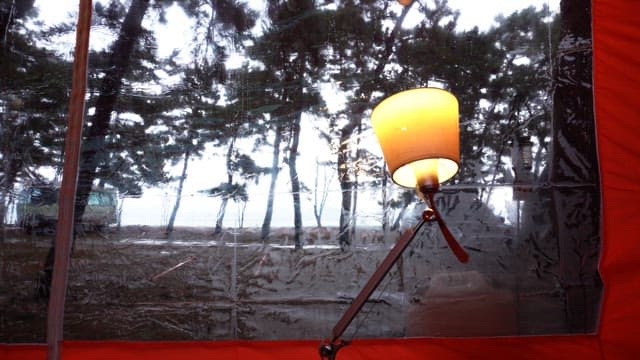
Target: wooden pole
64 233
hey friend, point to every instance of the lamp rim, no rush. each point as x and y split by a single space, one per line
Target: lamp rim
457 162
417 89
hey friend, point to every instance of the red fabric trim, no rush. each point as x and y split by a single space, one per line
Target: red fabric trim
617 99
582 347
548 347
616 34
23 351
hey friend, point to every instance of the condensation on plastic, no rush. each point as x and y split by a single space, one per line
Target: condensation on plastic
533 251
136 284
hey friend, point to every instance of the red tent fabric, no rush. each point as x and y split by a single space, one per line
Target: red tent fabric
616 35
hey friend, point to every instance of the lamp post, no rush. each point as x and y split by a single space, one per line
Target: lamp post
418 132
522 152
522 162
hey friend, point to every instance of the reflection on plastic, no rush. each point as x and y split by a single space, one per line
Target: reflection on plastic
510 285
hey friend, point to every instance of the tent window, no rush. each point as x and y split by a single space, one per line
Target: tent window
252 199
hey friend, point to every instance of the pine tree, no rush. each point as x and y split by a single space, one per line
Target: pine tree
33 98
291 48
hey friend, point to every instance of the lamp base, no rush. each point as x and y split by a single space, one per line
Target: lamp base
427 185
329 350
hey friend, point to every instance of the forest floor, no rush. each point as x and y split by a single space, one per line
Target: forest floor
135 283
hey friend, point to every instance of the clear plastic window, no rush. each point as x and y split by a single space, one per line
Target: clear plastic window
239 192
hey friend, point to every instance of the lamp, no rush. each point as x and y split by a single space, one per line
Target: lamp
420 139
522 161
419 136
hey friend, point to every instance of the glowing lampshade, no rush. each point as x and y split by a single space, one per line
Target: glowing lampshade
419 136
405 2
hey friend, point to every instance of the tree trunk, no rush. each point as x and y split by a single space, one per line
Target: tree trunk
354 206
385 201
346 184
320 200
407 198
576 207
225 196
275 170
3 211
4 191
317 205
354 187
93 151
7 179
12 162
295 180
220 216
176 206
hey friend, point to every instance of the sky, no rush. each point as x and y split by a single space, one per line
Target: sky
197 210
482 13
473 12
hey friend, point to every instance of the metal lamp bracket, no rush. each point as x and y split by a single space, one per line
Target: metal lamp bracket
330 347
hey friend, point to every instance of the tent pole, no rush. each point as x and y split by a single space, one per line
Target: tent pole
64 232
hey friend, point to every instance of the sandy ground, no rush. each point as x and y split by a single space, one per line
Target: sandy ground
137 284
